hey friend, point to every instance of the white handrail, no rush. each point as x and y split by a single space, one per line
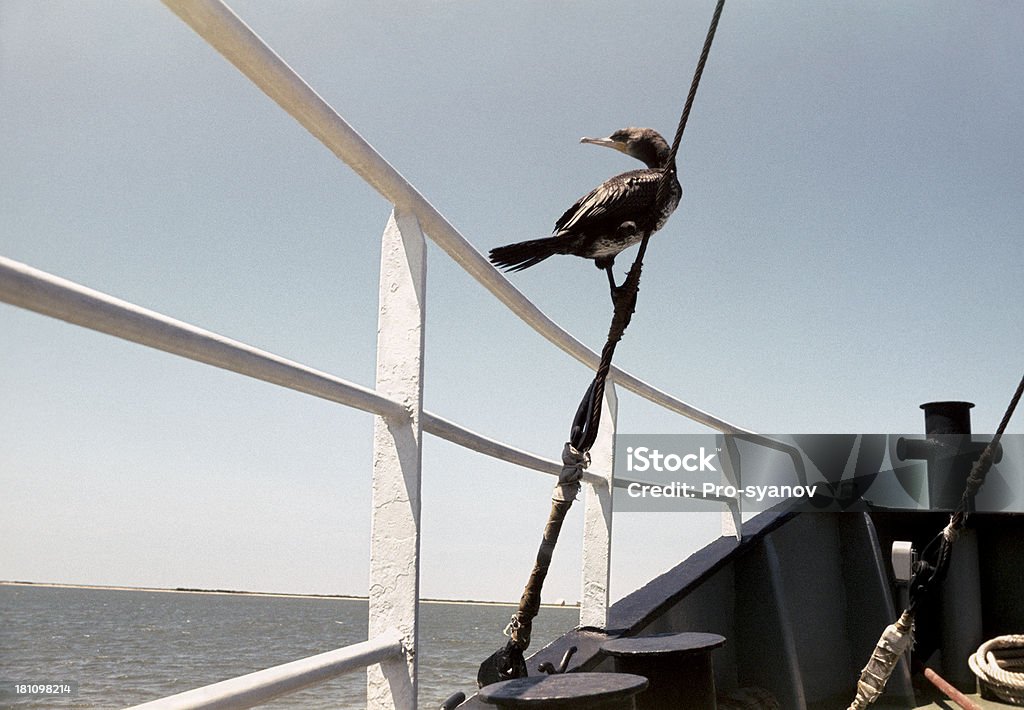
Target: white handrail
465 438
36 290
29 288
253 689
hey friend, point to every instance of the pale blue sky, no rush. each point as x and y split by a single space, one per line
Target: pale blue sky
848 246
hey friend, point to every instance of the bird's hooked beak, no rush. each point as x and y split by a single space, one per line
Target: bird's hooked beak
606 142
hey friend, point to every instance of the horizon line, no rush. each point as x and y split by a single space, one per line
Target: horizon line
241 592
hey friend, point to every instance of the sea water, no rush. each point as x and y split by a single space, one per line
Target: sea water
120 648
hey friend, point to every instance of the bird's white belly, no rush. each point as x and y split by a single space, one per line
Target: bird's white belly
610 246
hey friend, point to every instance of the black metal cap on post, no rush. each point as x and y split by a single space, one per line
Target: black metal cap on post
947 449
941 418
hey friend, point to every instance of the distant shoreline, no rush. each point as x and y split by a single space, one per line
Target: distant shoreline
284 595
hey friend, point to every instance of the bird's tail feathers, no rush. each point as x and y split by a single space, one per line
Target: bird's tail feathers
523 255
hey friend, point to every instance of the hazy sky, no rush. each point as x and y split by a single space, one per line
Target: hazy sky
848 247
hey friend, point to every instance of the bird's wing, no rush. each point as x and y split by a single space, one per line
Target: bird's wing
623 194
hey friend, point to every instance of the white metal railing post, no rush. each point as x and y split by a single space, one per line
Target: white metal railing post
732 517
597 518
397 455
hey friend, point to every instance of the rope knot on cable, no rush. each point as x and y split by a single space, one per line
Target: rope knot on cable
574 463
978 472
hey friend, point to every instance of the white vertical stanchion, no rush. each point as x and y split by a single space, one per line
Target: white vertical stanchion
597 518
397 454
732 519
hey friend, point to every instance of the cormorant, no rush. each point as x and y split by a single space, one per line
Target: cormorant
613 216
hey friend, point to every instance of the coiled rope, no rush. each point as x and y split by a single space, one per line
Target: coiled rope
999 663
508 662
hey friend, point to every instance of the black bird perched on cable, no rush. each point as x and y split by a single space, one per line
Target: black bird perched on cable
613 216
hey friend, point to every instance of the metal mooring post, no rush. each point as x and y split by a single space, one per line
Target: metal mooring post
948 450
678 666
950 453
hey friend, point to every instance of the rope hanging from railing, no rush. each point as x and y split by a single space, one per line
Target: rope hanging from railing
929 573
508 662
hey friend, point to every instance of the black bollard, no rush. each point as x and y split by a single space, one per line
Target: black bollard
947 449
678 666
950 455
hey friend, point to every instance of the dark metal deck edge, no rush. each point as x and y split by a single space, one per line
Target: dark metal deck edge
638 609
